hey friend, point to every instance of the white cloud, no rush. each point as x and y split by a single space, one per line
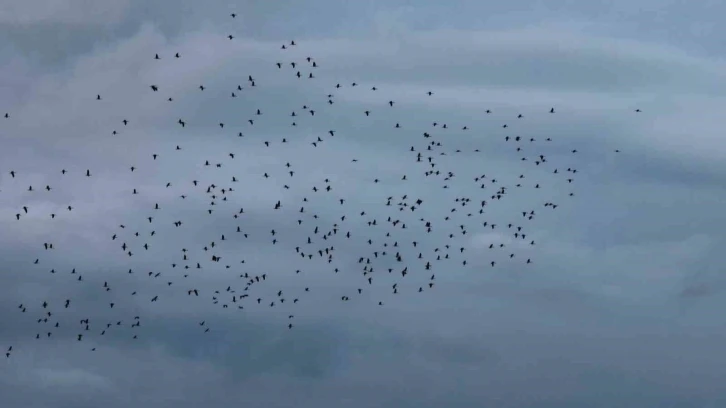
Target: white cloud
63 11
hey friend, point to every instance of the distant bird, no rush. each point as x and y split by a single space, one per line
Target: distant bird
380 227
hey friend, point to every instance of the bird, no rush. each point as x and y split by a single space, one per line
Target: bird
393 216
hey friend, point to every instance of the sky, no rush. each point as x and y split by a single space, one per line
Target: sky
621 305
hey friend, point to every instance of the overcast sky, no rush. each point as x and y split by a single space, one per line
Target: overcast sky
620 307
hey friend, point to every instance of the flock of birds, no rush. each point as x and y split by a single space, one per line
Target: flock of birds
384 265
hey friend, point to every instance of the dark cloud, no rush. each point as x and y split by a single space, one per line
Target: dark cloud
620 306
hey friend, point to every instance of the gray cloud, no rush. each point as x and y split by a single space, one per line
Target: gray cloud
619 307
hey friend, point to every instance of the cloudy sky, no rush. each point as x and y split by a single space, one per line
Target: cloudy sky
621 305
